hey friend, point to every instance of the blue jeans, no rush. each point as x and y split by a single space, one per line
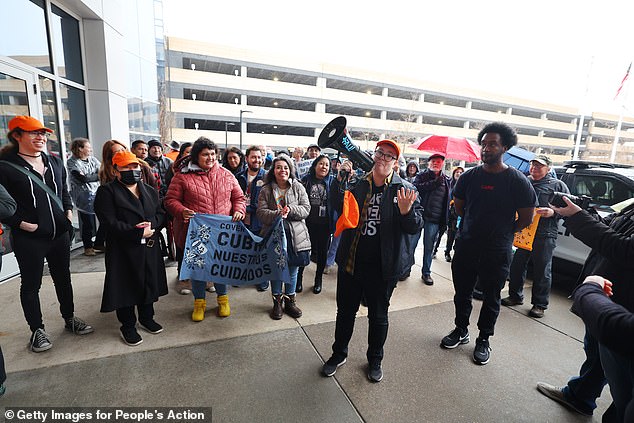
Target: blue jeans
542 256
289 287
332 251
430 233
583 390
198 289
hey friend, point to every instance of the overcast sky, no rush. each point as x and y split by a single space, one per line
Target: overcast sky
546 50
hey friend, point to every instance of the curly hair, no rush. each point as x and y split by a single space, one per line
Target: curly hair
199 145
507 134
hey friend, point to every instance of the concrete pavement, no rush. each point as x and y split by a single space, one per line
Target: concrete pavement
250 368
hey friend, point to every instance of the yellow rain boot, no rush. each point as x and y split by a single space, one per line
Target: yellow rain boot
199 310
223 306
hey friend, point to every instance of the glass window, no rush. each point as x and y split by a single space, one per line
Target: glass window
49 114
67 49
25 39
150 117
74 113
13 102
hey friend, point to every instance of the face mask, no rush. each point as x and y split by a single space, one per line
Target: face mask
130 177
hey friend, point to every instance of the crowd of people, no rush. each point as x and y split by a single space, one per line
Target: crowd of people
125 202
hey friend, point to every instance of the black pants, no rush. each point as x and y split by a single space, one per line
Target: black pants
30 254
473 261
88 226
128 319
367 281
319 244
3 372
100 237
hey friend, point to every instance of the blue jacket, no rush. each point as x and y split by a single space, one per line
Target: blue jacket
256 185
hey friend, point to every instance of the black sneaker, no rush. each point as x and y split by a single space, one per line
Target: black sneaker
482 351
151 326
375 373
78 326
39 341
456 337
131 337
330 366
511 301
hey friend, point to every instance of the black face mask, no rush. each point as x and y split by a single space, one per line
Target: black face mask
130 177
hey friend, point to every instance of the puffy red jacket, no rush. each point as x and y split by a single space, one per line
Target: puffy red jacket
213 192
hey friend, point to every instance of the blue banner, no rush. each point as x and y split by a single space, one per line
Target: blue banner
226 252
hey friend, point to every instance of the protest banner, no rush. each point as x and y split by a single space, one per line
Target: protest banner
226 252
302 167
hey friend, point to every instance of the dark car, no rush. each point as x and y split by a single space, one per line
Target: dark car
607 185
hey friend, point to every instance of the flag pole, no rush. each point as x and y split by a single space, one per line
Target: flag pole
623 87
575 154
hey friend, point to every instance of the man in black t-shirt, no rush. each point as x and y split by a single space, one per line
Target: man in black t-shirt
488 197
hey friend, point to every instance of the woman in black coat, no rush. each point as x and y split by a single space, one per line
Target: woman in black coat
135 272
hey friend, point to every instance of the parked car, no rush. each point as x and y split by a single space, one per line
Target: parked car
607 184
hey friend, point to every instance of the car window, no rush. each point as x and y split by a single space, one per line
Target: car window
605 191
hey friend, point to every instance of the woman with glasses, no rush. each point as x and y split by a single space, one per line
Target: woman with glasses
369 254
40 227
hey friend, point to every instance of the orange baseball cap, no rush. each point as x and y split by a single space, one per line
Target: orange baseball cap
349 215
392 144
27 123
124 158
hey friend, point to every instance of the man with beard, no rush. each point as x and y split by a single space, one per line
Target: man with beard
544 242
250 181
488 197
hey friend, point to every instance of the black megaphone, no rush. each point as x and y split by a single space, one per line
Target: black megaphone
335 135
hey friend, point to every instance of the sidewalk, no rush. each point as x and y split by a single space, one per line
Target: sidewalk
250 368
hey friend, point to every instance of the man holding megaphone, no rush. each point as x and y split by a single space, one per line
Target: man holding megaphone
386 208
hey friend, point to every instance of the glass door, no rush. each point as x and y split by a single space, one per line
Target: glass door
18 96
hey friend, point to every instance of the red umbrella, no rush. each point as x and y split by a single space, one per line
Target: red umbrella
450 147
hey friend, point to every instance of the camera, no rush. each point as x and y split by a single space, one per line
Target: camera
582 201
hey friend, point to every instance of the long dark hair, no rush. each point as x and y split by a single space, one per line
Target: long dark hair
225 161
270 175
12 146
313 167
181 150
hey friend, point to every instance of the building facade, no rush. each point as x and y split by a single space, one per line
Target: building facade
236 96
85 68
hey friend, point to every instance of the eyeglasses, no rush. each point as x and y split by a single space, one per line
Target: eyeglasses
380 154
35 134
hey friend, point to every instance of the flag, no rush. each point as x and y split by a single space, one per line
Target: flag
222 251
627 74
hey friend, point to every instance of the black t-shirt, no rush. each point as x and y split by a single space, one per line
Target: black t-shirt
490 203
369 247
318 198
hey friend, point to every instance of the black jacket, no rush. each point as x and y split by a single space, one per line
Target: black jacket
544 188
611 324
135 272
393 226
612 255
34 204
7 204
434 195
